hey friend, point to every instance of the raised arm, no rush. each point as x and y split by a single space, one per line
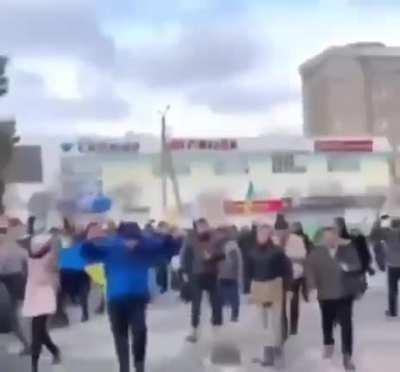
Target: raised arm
96 250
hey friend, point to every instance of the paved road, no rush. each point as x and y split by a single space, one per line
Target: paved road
89 348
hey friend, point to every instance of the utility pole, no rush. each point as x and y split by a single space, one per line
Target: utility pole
167 167
163 158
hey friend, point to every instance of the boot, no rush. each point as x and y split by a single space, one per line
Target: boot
279 358
348 363
193 337
139 367
328 351
57 358
268 357
26 351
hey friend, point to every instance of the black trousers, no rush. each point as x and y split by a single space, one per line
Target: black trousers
162 277
206 283
297 285
40 338
128 316
393 284
76 285
340 311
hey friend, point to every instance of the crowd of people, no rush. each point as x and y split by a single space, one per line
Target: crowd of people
277 266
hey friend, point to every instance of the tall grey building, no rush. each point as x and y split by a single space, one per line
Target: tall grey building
352 90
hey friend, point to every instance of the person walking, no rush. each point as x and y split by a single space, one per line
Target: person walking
13 265
74 280
387 232
200 266
40 295
359 242
247 240
295 249
230 273
127 257
271 278
297 228
334 276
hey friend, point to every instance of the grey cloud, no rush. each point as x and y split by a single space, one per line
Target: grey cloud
235 98
57 29
200 54
33 105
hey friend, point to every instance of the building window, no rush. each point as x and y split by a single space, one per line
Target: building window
343 163
231 166
287 163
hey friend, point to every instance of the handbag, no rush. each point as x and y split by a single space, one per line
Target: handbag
264 292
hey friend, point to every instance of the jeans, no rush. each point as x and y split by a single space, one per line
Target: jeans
340 311
128 315
208 283
393 284
40 338
230 296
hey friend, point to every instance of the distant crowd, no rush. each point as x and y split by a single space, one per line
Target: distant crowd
278 267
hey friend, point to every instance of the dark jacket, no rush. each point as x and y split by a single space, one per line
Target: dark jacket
200 258
391 240
361 245
334 277
270 262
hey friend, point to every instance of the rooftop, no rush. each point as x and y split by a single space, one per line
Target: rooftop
360 49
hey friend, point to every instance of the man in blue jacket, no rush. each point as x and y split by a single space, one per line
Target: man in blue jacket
127 257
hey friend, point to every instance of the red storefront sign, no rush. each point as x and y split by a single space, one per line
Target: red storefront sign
344 146
224 144
255 207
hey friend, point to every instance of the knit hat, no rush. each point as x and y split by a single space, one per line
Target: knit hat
281 223
129 230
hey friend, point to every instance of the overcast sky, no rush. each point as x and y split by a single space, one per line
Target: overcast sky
227 67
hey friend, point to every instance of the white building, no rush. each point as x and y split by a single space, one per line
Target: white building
275 166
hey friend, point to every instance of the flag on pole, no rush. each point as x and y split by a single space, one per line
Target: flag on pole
250 194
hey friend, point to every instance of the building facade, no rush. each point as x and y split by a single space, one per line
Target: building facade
352 90
275 168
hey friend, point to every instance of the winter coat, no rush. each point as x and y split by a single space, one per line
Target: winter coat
41 286
335 277
13 258
232 266
270 263
361 245
200 258
295 249
391 239
72 259
127 269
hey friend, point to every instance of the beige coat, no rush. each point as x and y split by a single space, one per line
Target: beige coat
41 286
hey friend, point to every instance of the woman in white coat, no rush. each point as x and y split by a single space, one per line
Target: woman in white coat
40 294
